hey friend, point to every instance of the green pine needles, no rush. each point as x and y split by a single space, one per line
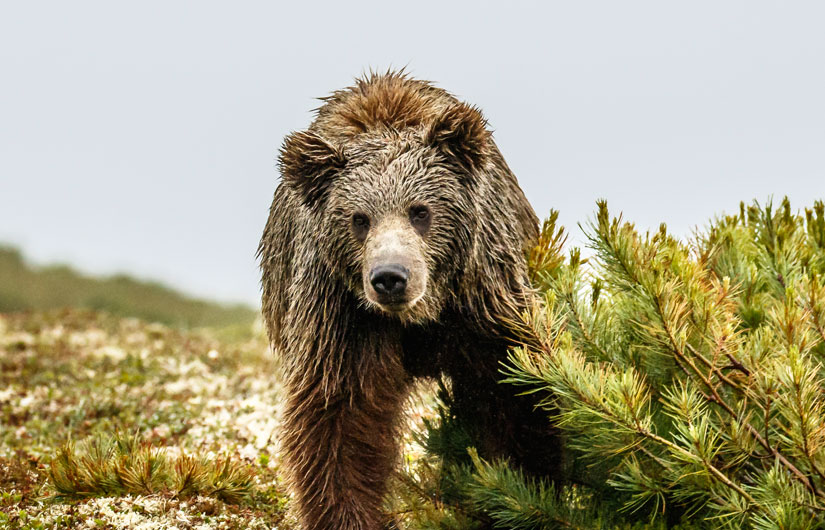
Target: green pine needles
105 466
687 377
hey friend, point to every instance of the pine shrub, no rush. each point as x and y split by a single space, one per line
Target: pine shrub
687 377
109 466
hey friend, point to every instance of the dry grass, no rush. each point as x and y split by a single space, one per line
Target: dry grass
200 413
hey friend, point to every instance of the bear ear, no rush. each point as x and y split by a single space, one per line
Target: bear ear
309 163
460 132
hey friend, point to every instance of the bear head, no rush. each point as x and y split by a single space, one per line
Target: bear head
394 198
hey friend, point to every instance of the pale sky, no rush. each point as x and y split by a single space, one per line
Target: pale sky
141 137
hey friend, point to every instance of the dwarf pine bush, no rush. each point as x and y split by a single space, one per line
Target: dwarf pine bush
687 377
118 465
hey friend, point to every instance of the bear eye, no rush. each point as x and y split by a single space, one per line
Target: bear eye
420 217
360 225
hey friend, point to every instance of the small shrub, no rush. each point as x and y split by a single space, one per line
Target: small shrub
119 465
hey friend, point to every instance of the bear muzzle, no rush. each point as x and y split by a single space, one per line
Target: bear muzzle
393 287
394 271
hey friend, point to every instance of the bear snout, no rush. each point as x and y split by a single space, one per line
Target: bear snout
390 282
394 268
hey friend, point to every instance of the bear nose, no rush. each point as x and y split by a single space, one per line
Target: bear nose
389 280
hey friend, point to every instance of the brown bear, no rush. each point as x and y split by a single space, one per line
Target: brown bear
394 249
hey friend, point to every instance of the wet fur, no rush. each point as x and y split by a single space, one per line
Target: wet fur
348 366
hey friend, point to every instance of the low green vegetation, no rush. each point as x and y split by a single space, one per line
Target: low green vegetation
24 287
129 424
106 466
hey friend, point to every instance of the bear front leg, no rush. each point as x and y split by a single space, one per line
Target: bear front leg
340 451
504 424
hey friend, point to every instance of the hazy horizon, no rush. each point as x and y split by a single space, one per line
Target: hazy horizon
142 138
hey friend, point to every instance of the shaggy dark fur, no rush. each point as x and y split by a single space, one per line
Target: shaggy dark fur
376 150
